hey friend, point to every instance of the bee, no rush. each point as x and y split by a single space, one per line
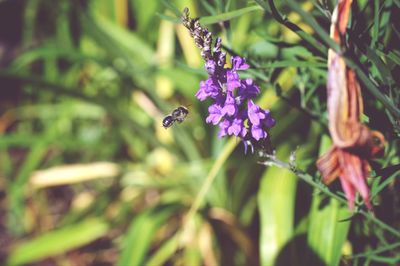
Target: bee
177 115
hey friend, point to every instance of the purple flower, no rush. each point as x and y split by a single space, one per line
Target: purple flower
232 80
233 108
269 122
223 128
258 132
256 114
207 89
230 107
237 128
215 115
202 93
248 89
239 63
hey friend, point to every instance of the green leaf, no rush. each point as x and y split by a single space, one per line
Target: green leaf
327 231
58 242
137 241
271 9
276 200
17 188
314 24
228 15
143 12
110 34
165 252
290 63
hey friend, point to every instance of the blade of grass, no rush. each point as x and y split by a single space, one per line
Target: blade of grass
226 152
71 92
57 242
375 27
270 8
290 63
372 55
137 49
228 15
137 241
276 198
326 234
172 7
322 188
164 253
315 25
17 188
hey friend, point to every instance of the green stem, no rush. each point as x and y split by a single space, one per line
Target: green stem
376 251
272 160
378 222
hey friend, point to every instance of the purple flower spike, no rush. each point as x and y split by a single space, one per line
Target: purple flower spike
210 67
233 108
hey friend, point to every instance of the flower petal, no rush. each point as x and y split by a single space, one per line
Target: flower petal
258 133
239 63
230 107
215 114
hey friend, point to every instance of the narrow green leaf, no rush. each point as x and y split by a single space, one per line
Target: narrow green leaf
270 8
165 252
392 55
327 231
172 7
169 18
135 47
276 200
137 241
314 24
16 193
290 63
143 12
375 27
57 242
228 15
383 69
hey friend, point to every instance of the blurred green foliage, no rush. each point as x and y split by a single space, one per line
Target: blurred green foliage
84 86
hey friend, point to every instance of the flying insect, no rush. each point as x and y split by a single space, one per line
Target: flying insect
177 115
